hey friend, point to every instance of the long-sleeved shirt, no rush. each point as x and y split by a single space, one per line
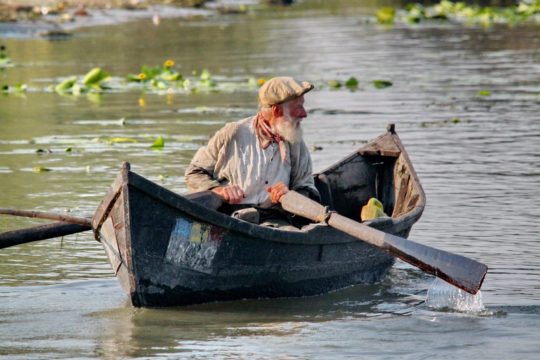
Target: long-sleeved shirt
234 155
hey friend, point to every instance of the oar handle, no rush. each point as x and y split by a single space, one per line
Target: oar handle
47 215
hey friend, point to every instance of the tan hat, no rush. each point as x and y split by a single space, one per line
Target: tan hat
280 89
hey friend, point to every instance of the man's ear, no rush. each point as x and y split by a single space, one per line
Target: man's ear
277 111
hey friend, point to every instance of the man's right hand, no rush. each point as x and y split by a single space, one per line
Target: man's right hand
230 193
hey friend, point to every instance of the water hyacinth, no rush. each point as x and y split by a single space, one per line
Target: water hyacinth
460 12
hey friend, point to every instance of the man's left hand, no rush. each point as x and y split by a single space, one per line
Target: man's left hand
277 191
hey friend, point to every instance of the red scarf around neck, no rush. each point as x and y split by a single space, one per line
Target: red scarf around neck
266 136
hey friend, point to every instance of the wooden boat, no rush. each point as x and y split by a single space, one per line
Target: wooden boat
168 249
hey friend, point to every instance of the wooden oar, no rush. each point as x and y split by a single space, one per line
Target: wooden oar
40 232
73 224
460 271
67 225
47 215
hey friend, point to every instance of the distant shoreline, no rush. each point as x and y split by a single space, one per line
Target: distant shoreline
56 19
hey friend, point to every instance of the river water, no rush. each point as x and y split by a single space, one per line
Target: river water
478 157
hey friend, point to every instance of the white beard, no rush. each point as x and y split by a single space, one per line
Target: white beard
289 129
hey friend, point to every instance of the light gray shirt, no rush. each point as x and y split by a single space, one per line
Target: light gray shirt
234 155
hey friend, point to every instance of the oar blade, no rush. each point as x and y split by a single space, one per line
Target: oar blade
458 270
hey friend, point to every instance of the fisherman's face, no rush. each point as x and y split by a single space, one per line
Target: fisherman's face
288 126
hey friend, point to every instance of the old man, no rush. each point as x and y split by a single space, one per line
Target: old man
253 162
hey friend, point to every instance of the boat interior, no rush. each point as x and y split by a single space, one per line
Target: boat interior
347 186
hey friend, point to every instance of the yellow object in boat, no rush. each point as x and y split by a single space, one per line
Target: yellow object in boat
372 210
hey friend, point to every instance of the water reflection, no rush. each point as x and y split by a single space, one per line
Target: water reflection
150 332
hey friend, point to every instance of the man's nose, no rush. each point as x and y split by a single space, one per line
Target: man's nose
302 113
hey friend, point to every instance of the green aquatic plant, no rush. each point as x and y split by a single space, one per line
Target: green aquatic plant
159 143
415 13
165 79
39 169
120 140
352 83
92 81
484 93
440 123
5 61
334 84
66 85
254 82
206 79
461 12
157 75
14 89
386 15
381 84
95 78
114 140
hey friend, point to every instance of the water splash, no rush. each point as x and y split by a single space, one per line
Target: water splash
442 295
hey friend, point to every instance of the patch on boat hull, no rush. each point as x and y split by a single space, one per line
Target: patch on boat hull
193 245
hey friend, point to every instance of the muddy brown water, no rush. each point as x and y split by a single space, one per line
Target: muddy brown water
59 299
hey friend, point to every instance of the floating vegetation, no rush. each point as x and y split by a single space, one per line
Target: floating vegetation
158 77
14 89
93 81
381 84
43 151
39 169
119 140
352 83
460 12
159 143
165 79
5 61
334 84
255 83
484 93
426 124
386 15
